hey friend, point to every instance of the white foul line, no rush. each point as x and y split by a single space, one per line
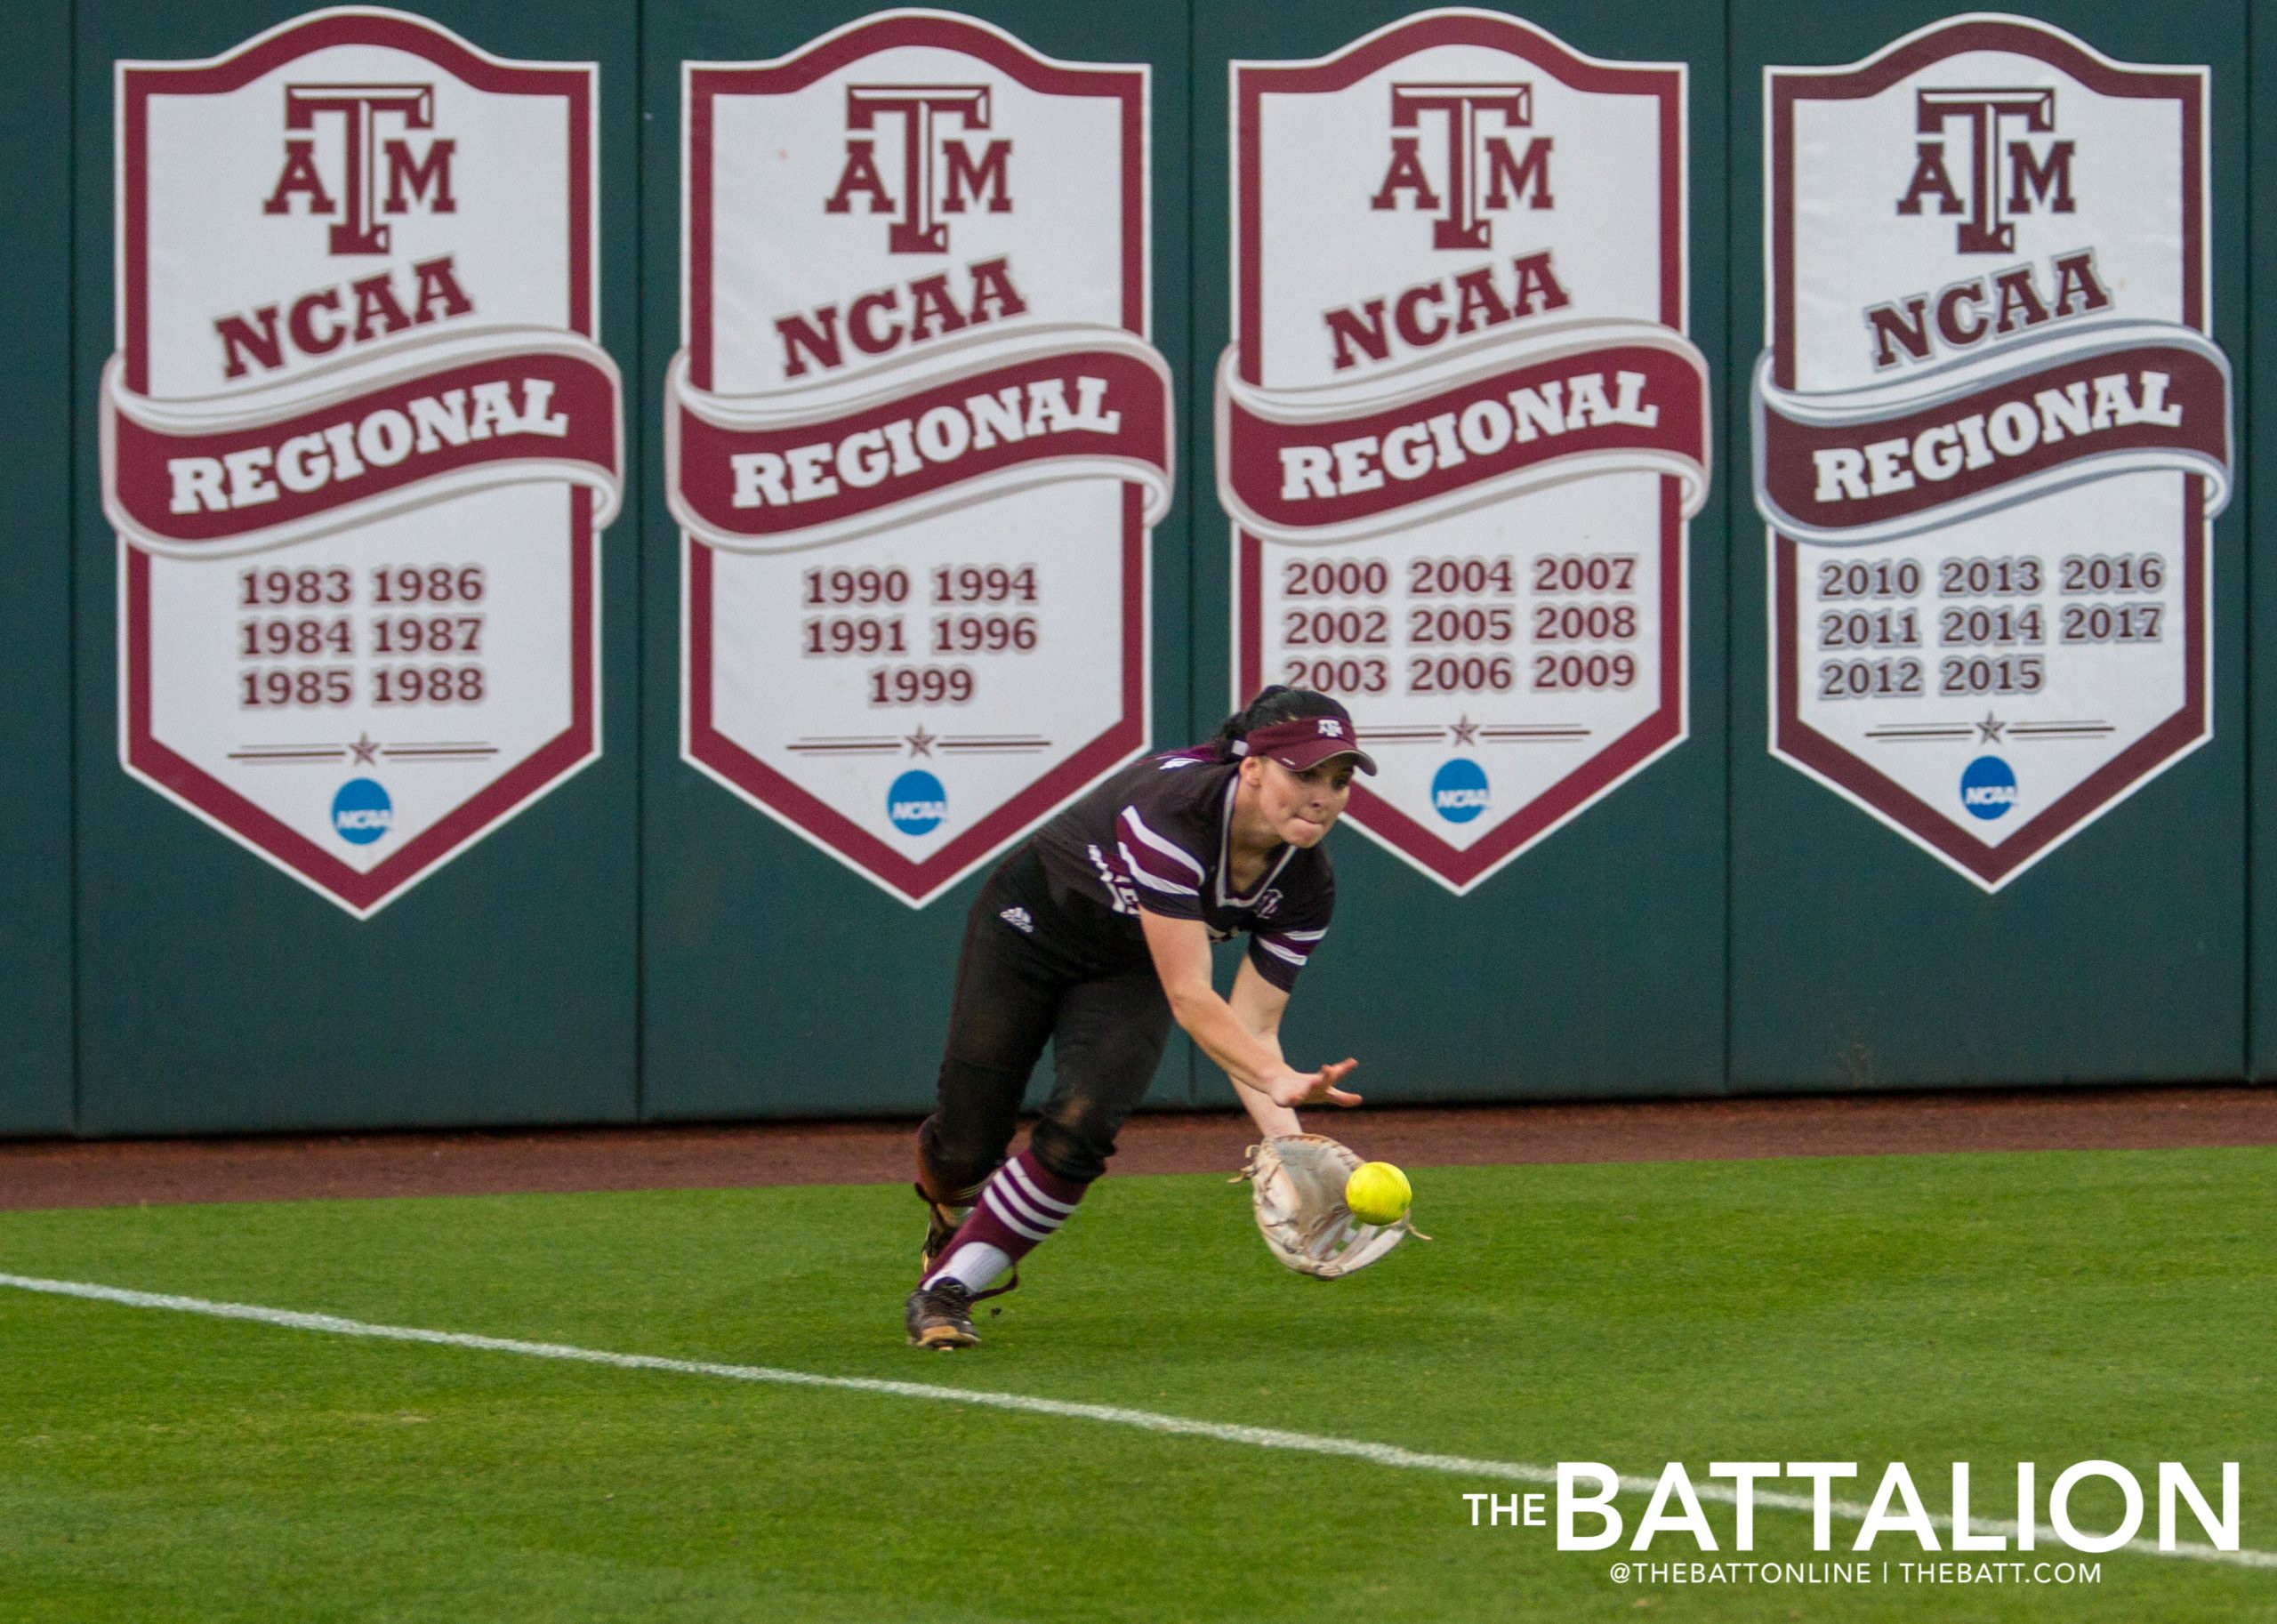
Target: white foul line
1222 1432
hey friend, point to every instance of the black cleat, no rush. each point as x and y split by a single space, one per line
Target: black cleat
940 1316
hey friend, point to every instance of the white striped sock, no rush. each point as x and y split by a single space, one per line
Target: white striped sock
1012 1216
1018 1201
1033 1190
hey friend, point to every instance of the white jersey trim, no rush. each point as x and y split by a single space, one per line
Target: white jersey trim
1139 872
1169 848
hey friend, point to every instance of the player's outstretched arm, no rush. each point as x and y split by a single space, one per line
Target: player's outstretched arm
1180 948
1257 1004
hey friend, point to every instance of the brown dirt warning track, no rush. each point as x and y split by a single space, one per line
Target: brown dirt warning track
49 1173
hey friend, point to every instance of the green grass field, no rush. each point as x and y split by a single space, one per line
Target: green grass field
1988 1308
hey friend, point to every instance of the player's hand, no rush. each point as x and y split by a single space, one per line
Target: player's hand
1293 1089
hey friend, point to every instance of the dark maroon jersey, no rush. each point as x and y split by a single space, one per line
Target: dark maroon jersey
1155 837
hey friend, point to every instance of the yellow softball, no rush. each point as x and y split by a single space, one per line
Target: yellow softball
1378 1193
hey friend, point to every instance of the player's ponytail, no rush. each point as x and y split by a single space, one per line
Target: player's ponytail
1234 727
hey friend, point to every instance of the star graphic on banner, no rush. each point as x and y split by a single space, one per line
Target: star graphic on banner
921 743
1987 731
367 748
1465 729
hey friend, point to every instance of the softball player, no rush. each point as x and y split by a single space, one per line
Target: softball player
1095 935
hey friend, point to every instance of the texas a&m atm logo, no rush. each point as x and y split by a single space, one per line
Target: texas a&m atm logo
1461 429
916 437
414 179
1991 433
2001 163
359 441
1476 122
964 175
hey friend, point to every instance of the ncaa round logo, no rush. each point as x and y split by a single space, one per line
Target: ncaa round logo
1988 787
917 804
361 812
1458 791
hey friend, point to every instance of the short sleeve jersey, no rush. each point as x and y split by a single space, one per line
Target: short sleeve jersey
1156 837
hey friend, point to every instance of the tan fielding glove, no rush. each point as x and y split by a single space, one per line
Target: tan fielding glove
1296 1189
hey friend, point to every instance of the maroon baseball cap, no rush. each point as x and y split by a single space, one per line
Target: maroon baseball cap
1303 743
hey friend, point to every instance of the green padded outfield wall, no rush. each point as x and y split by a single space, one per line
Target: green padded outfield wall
1485 946
652 778
1863 956
36 587
2261 604
789 966
483 969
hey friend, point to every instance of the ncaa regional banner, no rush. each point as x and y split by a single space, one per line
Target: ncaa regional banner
916 437
1461 429
359 441
1991 433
